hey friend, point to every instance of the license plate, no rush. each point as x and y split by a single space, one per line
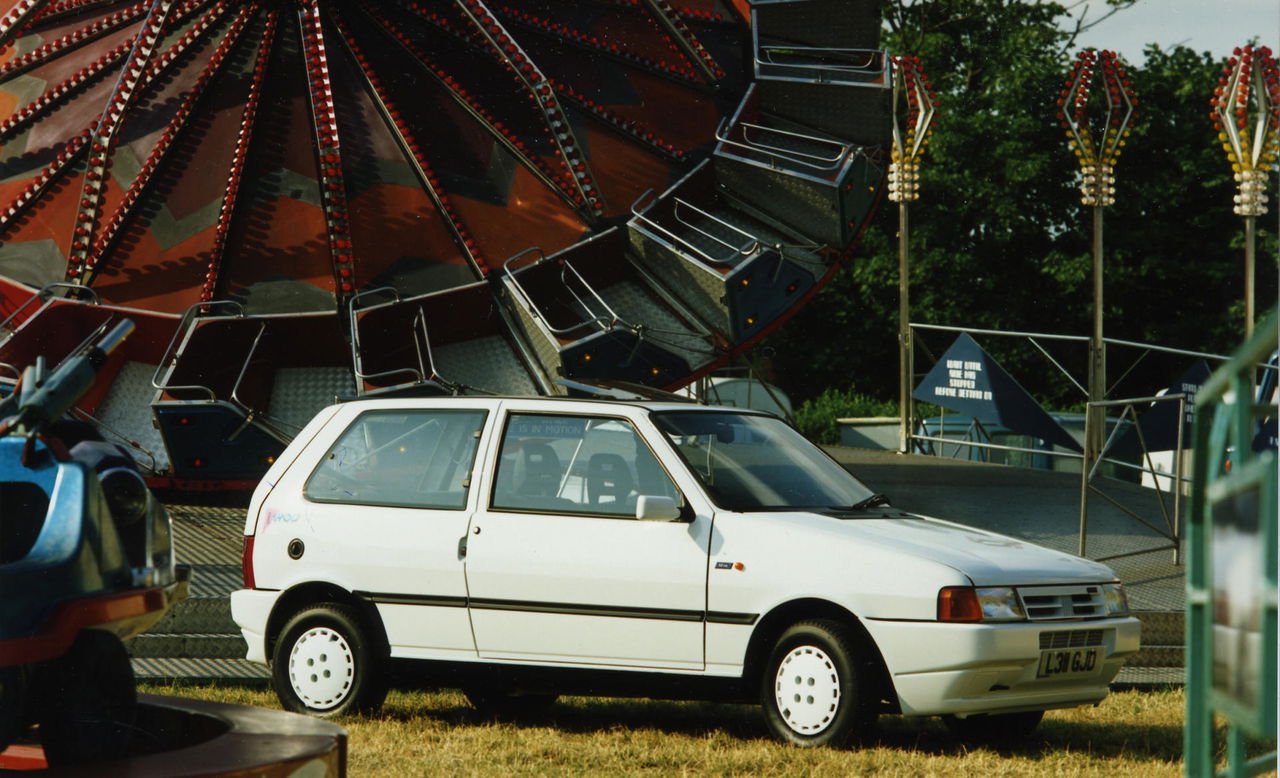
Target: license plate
1069 661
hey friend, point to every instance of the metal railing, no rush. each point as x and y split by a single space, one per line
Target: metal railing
1090 466
426 371
169 358
1172 531
44 292
824 63
828 163
604 321
751 245
357 357
186 328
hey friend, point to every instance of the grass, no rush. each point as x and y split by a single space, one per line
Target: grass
434 733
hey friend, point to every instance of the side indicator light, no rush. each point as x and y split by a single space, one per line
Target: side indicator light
959 603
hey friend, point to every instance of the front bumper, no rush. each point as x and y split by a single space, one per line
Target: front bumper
251 610
964 669
124 613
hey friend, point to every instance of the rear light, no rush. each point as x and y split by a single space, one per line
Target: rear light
959 603
246 563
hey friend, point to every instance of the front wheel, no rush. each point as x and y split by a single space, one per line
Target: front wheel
811 692
325 665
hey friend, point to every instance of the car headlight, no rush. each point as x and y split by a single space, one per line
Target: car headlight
966 603
1001 604
1113 596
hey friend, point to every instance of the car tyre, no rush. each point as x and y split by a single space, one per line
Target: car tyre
88 702
811 690
325 665
995 728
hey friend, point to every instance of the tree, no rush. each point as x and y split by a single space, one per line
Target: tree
999 238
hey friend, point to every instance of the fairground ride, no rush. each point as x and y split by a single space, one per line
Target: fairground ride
295 200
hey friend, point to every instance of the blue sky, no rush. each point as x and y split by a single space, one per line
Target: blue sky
1216 26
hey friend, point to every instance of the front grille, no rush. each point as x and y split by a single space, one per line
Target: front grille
1063 603
1070 638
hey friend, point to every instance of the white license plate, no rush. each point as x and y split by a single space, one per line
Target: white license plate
1064 662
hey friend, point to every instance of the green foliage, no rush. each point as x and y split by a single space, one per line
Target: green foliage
816 417
999 239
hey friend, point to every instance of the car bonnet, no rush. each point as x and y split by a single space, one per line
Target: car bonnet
987 558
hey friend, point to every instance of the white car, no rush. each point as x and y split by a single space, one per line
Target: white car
520 548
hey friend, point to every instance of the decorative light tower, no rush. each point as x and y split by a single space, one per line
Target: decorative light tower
1096 133
1250 82
910 136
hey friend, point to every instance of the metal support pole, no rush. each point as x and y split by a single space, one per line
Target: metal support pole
1250 247
1179 456
1096 432
1084 483
910 137
904 334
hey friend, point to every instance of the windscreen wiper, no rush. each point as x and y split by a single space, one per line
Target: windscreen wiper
874 501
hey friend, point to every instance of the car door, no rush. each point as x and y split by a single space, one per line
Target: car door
387 505
558 567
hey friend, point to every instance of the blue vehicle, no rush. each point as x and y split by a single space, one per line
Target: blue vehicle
86 561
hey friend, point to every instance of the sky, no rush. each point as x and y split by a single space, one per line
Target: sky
1216 26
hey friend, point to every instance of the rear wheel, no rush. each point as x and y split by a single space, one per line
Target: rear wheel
325 665
811 692
88 702
995 728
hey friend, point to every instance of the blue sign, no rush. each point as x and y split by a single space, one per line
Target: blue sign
968 381
1159 425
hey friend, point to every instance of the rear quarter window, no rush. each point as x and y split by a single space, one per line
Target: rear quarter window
409 458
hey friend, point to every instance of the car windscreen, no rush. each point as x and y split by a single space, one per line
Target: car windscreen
750 462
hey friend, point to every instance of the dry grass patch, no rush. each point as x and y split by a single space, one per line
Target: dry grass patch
431 733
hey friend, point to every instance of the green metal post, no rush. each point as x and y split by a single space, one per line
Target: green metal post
1226 429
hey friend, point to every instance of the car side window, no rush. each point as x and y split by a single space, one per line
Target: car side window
409 458
576 464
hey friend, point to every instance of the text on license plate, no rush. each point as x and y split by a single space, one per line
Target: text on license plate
1069 661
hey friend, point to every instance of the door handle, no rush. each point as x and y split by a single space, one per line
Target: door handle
462 547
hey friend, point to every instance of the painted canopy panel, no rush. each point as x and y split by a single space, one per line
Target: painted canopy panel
228 194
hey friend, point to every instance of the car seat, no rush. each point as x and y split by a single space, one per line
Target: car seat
608 475
538 471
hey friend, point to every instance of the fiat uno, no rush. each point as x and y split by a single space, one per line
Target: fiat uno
523 548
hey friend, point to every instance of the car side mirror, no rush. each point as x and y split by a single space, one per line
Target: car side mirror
650 507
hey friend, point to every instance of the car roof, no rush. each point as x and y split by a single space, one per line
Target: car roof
656 406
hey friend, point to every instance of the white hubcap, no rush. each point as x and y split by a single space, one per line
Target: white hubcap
807 690
321 668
